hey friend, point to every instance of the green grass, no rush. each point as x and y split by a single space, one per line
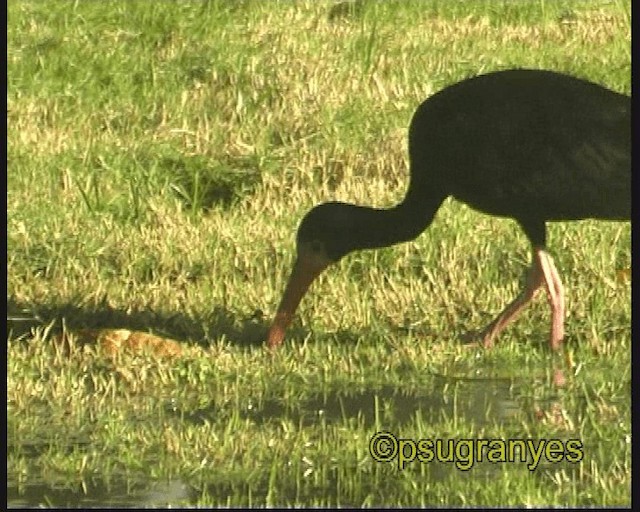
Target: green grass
160 157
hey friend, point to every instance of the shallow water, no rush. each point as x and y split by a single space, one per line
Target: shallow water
480 401
97 493
471 400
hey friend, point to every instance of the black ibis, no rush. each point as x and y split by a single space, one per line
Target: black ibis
533 145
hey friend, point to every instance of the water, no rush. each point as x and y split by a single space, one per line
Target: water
481 401
97 493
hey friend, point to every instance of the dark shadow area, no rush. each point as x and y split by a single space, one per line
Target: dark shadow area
247 329
241 328
238 328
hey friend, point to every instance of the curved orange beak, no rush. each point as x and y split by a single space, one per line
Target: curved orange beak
308 266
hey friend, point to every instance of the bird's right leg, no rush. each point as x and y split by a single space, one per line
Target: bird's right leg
555 294
535 280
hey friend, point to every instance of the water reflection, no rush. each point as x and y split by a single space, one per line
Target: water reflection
477 400
481 401
97 493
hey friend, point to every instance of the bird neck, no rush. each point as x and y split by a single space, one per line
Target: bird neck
377 228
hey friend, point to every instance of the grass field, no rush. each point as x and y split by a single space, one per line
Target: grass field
160 156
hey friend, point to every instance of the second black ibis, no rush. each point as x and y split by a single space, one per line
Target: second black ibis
532 145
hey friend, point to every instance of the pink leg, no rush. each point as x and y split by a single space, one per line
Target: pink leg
555 294
534 281
542 271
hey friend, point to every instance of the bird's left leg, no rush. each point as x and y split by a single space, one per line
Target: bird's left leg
535 280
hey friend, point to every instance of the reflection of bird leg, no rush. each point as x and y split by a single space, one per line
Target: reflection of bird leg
542 271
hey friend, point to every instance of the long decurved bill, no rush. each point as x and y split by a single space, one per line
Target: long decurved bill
308 266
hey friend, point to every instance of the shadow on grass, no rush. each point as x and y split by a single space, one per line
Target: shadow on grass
247 330
238 329
235 327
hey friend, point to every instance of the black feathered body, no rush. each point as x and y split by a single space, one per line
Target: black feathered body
532 145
